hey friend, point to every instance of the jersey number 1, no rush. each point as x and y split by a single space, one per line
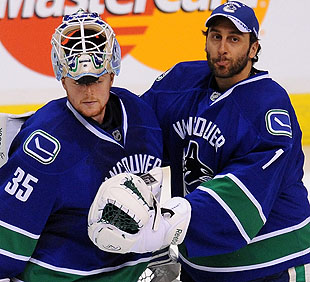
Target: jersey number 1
23 179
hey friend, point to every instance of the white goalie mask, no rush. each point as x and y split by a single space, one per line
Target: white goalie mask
84 45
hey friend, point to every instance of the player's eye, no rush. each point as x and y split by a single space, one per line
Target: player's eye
235 39
216 36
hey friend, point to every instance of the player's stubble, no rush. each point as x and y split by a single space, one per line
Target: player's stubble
236 65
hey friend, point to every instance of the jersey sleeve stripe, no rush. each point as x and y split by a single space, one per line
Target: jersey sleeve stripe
16 243
247 192
38 271
263 253
19 230
282 231
239 200
14 256
245 267
228 210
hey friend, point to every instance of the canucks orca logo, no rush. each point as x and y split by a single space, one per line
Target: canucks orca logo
193 169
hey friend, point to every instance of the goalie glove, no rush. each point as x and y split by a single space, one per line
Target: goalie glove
154 179
10 125
126 217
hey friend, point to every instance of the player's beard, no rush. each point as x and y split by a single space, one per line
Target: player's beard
235 67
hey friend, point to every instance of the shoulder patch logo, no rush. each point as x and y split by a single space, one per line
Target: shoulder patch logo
278 122
42 147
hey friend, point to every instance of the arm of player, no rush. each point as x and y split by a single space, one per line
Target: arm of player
126 217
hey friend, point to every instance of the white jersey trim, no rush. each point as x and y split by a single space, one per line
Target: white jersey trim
14 256
125 120
307 272
19 230
246 267
247 192
229 211
95 131
227 208
87 273
252 79
280 232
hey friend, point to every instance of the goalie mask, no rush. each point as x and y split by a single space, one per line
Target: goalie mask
84 45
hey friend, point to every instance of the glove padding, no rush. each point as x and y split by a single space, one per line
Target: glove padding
154 180
126 217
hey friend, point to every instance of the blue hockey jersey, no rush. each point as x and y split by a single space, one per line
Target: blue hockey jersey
237 158
56 165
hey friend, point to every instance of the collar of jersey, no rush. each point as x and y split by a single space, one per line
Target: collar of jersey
258 76
101 133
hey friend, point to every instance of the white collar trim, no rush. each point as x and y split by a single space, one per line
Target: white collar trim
95 131
227 92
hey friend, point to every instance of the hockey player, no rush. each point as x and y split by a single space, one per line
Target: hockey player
61 156
232 140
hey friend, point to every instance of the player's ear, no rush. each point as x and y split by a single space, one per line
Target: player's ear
205 34
112 75
206 45
253 49
63 83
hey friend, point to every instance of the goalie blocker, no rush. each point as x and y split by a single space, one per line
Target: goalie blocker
125 216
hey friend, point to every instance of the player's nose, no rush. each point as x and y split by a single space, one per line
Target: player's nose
222 47
88 90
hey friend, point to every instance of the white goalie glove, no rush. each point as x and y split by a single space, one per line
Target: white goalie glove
125 216
10 125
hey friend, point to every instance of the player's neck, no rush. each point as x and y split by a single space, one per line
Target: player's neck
227 82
